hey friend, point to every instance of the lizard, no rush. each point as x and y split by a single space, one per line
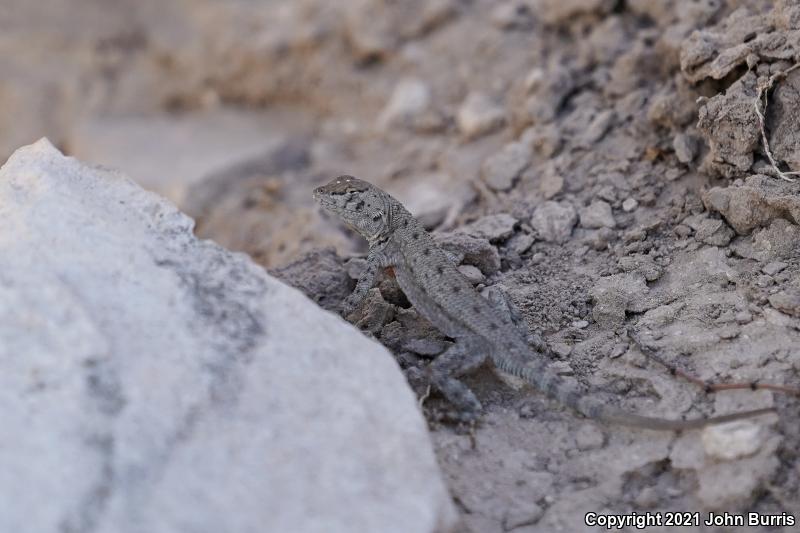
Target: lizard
440 293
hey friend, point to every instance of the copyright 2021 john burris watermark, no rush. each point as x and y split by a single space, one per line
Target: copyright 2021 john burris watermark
683 519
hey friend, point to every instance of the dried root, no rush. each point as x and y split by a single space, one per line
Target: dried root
708 386
763 92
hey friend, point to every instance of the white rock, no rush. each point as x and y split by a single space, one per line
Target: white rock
728 484
511 15
773 267
685 147
494 228
434 198
411 98
554 221
732 440
534 79
521 242
545 139
479 115
630 204
714 232
597 128
154 382
551 182
501 169
597 215
548 94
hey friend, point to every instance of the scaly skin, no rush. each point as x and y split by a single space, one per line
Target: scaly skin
447 299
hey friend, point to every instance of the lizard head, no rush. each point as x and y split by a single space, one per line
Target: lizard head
361 205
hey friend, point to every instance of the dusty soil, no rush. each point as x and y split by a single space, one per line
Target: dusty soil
596 165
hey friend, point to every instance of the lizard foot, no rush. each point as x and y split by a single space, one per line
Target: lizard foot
461 357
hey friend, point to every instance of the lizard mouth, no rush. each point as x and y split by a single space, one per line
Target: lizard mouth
329 204
322 200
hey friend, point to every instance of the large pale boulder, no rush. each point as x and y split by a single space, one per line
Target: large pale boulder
151 382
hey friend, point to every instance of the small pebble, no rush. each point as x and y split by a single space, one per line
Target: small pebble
545 139
550 183
535 79
682 231
764 281
773 267
410 98
728 332
522 242
479 115
492 227
562 368
512 15
554 221
647 497
786 301
501 169
618 350
355 267
607 193
634 235
732 440
522 517
685 147
580 324
561 349
597 215
527 411
472 273
630 204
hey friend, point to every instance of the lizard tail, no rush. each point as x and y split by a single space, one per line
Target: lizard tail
543 378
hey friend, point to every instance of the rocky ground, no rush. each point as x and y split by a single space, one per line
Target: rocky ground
598 165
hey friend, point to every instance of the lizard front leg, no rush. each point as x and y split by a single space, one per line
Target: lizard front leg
377 260
467 354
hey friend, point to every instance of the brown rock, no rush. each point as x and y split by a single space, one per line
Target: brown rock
730 126
761 200
787 301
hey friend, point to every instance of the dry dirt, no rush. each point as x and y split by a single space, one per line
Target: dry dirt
597 165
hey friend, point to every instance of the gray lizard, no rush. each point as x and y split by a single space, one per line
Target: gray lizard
439 292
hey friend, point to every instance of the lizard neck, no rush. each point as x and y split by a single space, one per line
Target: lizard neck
397 217
400 219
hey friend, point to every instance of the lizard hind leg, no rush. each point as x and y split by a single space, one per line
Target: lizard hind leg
462 357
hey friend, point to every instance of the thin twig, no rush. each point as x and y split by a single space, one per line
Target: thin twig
707 386
763 90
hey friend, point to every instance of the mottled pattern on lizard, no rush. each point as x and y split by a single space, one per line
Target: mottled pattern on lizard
447 299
